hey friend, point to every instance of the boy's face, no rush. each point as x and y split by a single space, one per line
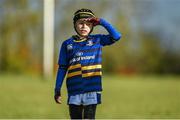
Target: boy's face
83 27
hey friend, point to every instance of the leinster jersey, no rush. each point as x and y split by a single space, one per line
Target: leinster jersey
81 61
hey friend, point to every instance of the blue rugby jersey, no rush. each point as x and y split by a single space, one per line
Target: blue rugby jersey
82 61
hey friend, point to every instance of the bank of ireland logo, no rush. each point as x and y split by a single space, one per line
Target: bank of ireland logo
89 43
69 47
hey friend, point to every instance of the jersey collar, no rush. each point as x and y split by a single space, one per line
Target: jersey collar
77 39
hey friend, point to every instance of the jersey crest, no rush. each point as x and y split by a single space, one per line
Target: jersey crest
69 47
89 43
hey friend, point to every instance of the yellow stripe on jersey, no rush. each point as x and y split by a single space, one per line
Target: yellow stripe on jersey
74 66
74 74
91 67
92 74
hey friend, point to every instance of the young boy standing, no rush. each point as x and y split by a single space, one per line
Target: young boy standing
81 57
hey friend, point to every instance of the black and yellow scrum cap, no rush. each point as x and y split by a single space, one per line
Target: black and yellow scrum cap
82 13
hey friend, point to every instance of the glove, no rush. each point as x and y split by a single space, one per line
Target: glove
95 21
57 97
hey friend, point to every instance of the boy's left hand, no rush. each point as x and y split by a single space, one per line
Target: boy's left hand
95 21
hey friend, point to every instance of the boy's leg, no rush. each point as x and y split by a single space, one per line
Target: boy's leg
75 111
90 111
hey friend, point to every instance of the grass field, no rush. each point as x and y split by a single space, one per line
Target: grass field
122 97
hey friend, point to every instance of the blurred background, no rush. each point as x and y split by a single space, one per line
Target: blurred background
141 71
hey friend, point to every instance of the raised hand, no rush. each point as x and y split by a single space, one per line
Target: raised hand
95 21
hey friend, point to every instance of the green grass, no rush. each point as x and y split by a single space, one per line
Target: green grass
122 97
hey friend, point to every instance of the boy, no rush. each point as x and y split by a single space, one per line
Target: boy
81 57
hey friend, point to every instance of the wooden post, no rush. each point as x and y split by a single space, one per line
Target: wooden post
48 47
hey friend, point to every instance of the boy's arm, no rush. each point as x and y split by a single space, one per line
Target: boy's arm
63 65
113 35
